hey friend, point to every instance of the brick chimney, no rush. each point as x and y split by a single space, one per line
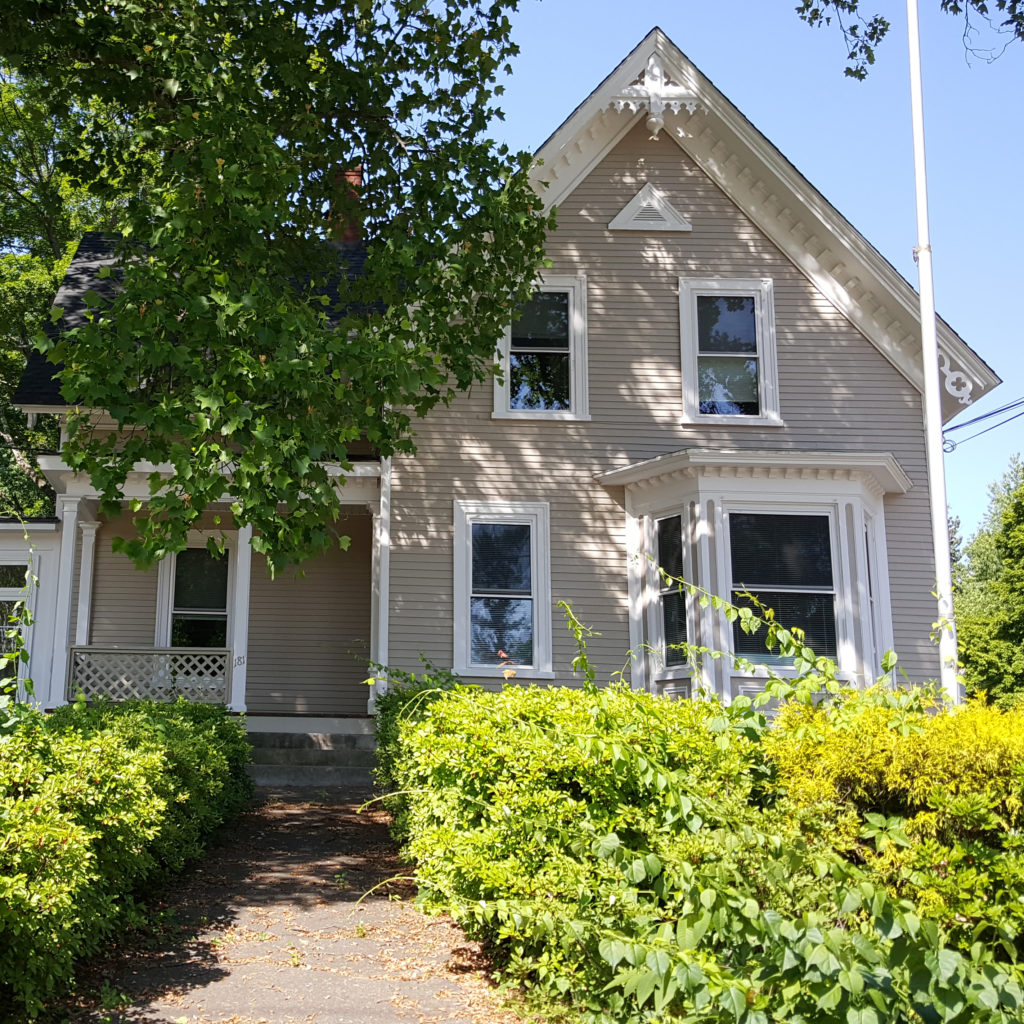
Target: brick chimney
345 224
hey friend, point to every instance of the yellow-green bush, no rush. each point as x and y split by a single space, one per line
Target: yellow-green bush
939 794
93 802
666 861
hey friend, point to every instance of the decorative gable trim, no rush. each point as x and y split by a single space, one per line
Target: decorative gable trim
829 251
649 210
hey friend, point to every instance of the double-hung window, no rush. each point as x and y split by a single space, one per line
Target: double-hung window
785 560
544 355
502 588
728 351
193 587
12 590
671 596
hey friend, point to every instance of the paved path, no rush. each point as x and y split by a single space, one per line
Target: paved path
269 930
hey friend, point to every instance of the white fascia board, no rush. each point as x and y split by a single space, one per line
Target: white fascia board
358 485
40 410
768 188
28 527
881 467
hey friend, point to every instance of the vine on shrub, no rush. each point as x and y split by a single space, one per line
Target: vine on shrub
654 860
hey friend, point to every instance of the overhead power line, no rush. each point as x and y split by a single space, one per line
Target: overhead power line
1015 404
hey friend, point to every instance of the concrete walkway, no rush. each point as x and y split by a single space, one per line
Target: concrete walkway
269 929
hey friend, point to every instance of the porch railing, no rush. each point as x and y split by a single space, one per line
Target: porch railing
201 674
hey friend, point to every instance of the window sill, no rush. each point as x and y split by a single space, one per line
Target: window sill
539 414
734 421
761 672
495 672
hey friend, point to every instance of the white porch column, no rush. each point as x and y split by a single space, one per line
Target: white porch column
239 640
67 512
85 575
380 585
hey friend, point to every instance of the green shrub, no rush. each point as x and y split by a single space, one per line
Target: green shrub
641 857
94 802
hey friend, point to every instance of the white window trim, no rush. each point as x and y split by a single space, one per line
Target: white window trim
762 290
662 671
843 600
165 584
579 397
536 515
27 592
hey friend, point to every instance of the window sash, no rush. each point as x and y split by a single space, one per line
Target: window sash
750 343
673 610
544 364
778 560
507 610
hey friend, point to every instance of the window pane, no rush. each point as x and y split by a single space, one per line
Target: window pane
200 580
6 644
670 546
727 386
813 613
501 558
13 576
673 606
539 380
726 323
501 624
780 550
199 631
544 322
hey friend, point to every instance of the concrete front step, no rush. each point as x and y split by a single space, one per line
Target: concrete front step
312 758
309 775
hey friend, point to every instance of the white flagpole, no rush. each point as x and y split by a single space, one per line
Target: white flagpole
932 392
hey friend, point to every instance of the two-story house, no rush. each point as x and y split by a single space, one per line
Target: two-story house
717 375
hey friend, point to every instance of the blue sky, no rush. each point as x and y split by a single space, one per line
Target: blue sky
851 140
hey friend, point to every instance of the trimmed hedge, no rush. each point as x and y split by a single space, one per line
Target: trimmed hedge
653 860
94 802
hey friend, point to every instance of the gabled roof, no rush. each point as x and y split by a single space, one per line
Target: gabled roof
657 80
39 388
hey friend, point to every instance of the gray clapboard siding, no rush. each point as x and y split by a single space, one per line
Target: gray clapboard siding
309 635
123 598
837 392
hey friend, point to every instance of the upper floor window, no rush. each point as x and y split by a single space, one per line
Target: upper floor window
728 351
544 355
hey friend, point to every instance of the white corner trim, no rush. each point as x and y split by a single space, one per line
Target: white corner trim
649 210
575 286
380 607
536 515
67 512
635 554
238 617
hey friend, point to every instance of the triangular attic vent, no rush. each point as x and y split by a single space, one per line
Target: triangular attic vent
649 210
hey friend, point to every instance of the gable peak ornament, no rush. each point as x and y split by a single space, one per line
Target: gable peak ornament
655 91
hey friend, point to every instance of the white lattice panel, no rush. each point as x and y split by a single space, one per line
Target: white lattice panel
164 675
